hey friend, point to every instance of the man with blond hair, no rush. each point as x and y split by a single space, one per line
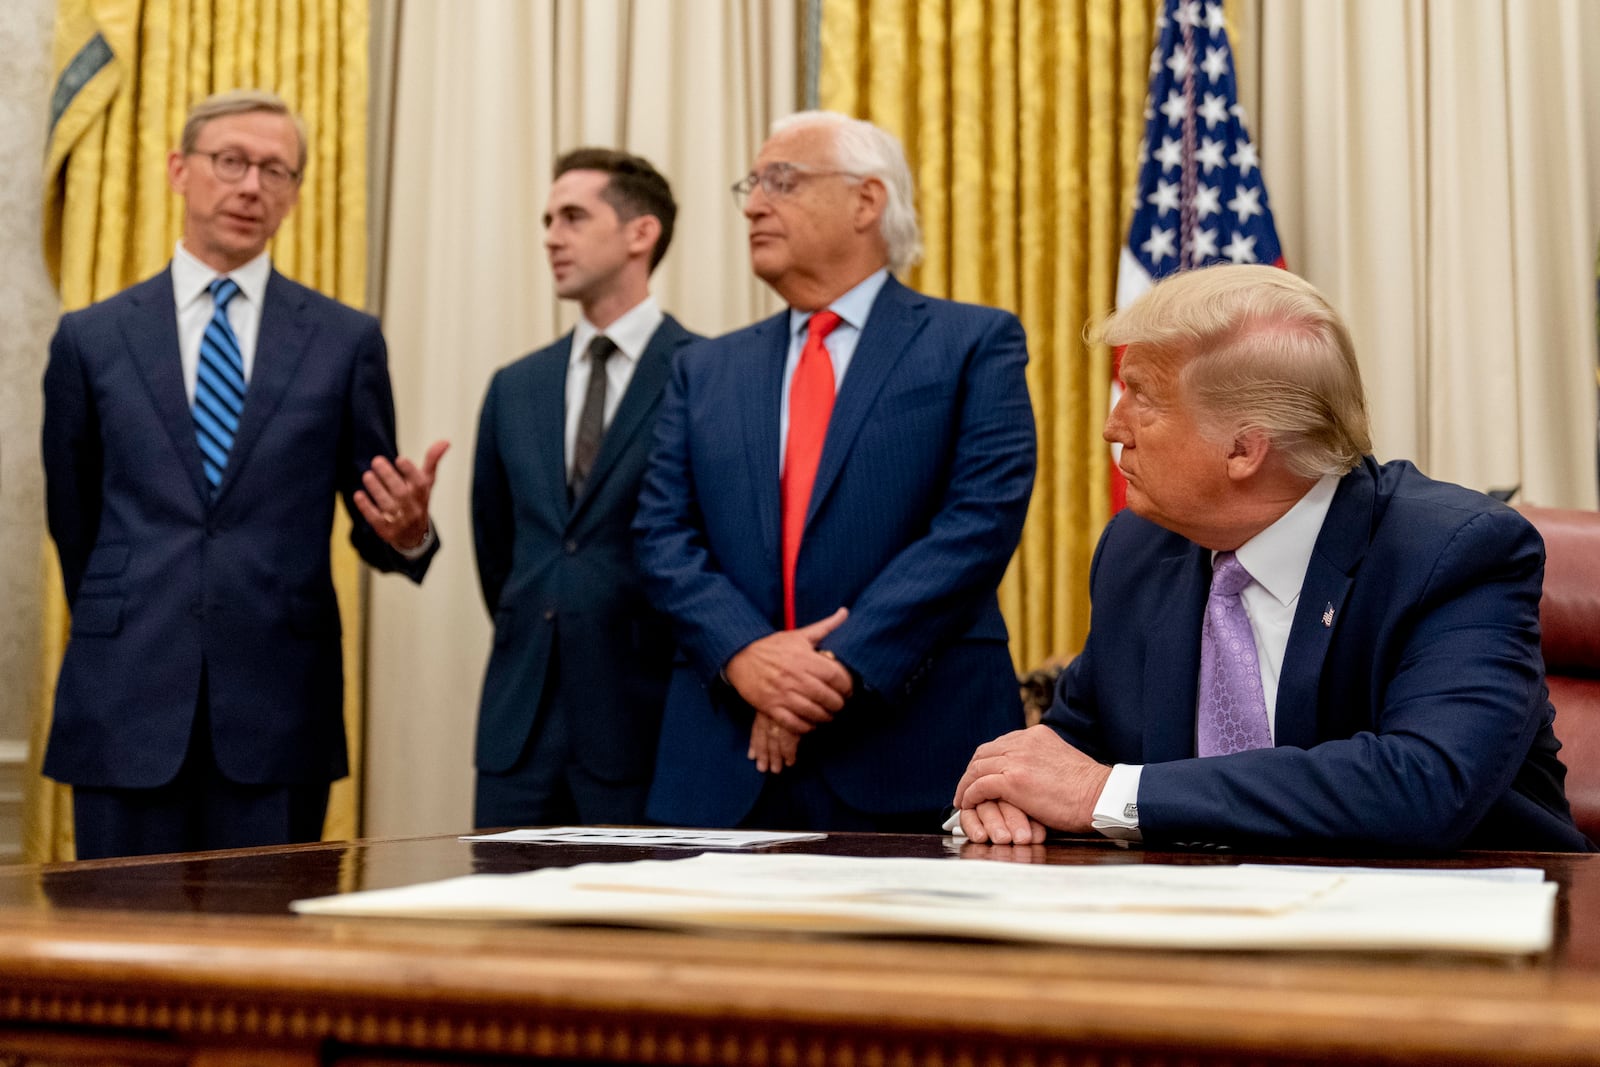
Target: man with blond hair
198 427
1292 645
833 498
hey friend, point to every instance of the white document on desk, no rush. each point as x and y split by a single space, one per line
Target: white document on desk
1128 905
646 837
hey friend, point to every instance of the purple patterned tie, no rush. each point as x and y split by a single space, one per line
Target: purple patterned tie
1233 711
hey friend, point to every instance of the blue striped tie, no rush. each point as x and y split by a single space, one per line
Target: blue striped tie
219 387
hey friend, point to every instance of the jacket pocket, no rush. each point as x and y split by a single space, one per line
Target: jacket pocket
97 616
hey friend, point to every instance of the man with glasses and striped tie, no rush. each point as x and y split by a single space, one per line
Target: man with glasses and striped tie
197 429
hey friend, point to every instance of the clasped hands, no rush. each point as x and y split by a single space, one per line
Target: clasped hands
1027 780
394 497
793 686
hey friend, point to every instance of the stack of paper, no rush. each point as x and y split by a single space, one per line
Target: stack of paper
645 837
1144 905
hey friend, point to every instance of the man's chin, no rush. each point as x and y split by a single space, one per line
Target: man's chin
764 264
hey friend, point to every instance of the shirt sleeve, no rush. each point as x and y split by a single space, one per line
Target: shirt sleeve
1116 813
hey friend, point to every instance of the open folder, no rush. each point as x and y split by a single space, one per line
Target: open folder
1136 905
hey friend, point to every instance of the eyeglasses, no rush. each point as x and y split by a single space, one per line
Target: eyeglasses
781 179
232 166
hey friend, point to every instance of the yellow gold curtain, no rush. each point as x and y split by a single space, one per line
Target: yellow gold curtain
1022 120
127 72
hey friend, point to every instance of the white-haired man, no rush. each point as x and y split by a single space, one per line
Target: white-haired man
832 501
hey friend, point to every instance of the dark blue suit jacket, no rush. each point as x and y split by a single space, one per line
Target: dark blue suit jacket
1411 713
561 580
160 578
918 505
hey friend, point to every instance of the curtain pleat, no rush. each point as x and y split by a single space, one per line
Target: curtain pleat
1021 119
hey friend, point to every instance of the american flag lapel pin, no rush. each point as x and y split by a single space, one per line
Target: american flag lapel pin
1327 615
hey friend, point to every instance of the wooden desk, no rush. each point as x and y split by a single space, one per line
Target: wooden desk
195 959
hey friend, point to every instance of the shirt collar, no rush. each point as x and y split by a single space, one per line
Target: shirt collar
631 332
1277 557
852 308
191 277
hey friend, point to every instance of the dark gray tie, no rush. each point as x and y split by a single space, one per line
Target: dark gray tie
592 419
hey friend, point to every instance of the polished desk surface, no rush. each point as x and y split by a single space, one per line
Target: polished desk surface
202 948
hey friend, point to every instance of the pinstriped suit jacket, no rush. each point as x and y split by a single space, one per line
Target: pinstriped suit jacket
918 505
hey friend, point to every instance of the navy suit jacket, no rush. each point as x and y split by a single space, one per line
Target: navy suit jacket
1411 714
560 580
918 505
161 578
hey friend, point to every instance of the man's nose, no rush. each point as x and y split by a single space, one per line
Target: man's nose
251 181
755 203
1114 429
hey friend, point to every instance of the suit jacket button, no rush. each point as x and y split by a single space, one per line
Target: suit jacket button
572 548
549 614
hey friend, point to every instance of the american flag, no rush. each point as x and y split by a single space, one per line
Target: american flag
1200 198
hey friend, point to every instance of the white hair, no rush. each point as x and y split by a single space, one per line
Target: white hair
868 151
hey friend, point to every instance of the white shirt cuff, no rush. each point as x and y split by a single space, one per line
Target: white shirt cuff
1116 813
416 552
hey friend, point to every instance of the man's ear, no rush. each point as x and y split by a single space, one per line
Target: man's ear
871 199
177 170
1248 454
643 232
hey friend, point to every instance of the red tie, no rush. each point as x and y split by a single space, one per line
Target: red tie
810 405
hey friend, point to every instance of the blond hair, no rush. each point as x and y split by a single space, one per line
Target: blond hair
1257 349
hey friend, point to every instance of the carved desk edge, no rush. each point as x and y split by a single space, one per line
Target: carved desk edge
654 998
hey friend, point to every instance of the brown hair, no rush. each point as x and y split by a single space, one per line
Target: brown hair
635 188
240 102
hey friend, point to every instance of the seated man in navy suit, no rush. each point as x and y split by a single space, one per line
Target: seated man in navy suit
832 501
1292 646
198 429
573 692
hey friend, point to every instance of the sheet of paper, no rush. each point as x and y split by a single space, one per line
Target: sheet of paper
1133 905
647 837
1492 874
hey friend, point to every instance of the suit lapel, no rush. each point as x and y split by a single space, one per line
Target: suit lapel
546 405
897 318
281 343
638 401
1172 666
150 332
1341 545
769 343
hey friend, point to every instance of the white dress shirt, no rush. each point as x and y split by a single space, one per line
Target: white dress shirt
191 280
1277 559
631 333
852 308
